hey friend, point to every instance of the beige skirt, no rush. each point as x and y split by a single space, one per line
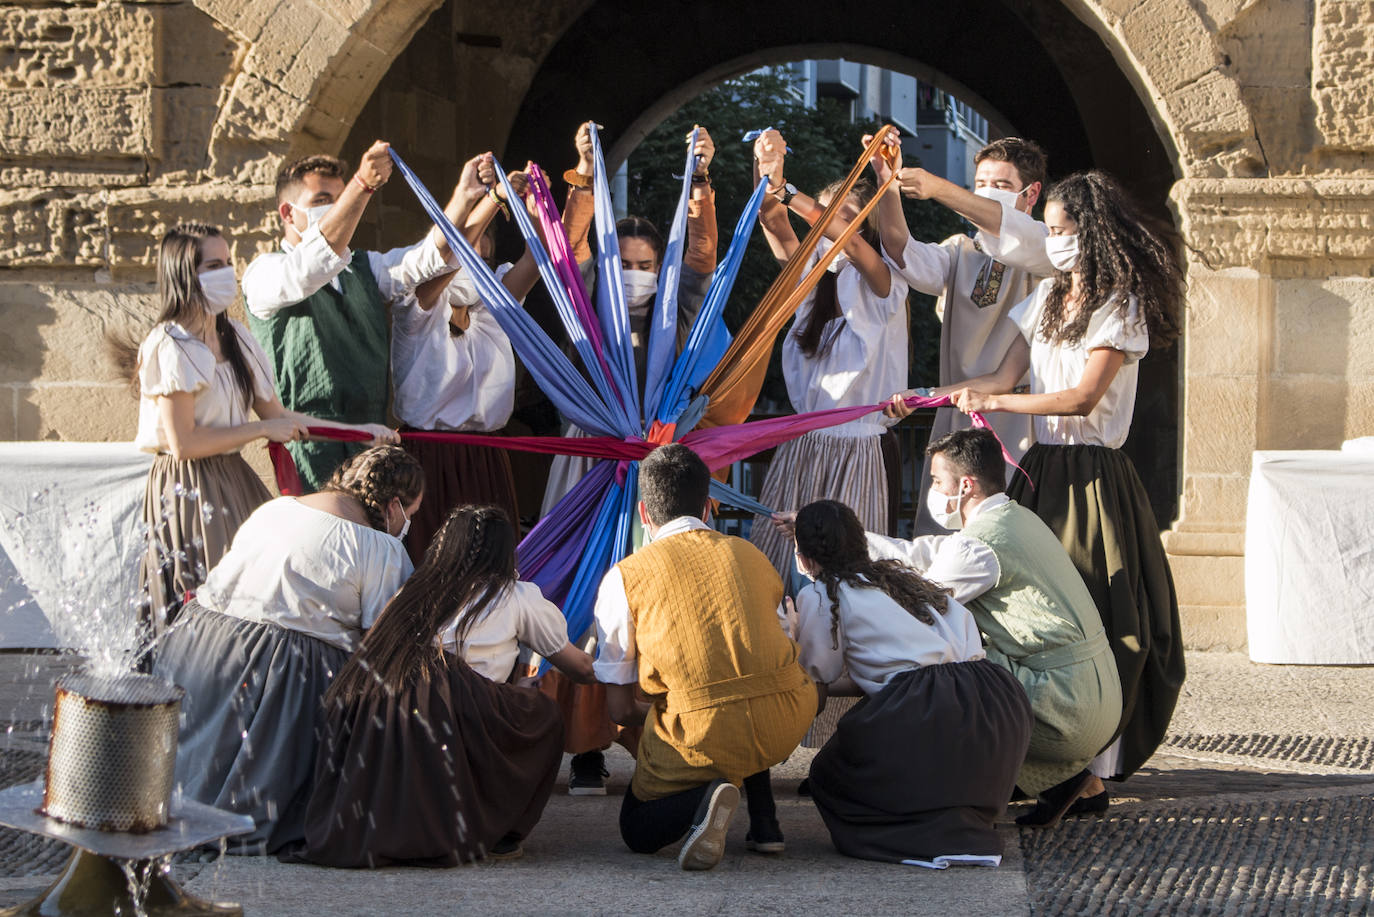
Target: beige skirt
842 463
191 509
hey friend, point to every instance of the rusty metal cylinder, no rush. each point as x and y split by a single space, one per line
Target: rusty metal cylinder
112 752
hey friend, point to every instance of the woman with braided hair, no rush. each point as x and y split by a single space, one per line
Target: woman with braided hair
1116 289
431 757
923 765
275 621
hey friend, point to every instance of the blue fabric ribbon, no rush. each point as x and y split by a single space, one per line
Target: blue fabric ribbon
663 327
738 499
610 289
551 369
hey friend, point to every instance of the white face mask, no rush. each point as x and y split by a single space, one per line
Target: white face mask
640 288
220 287
405 526
938 506
1063 251
1000 195
313 215
840 261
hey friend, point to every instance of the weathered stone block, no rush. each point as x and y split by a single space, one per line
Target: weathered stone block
192 49
1220 417
137 219
56 333
1224 323
1305 412
67 46
1215 499
1214 628
75 122
39 228
1342 60
183 121
1324 327
78 413
1216 581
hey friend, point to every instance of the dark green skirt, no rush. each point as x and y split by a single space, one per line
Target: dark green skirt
1092 498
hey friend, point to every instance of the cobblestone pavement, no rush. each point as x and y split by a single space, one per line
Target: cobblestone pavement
1261 802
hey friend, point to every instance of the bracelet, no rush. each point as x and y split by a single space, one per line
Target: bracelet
703 178
499 201
366 187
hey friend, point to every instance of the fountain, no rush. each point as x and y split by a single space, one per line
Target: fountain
108 793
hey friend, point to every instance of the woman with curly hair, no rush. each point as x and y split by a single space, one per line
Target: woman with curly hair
428 759
918 771
274 623
1116 289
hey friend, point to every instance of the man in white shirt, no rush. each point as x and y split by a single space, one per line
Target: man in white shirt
978 280
690 620
319 309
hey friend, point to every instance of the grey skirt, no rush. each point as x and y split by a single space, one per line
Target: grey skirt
252 718
192 509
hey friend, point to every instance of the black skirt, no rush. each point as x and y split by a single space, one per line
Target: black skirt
457 474
1092 498
923 769
434 775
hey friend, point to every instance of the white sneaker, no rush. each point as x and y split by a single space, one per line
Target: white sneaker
705 844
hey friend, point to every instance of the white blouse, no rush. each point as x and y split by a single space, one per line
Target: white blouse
879 639
447 381
519 615
866 360
307 570
172 359
1056 367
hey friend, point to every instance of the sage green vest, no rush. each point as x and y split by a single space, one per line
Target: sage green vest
1040 602
330 355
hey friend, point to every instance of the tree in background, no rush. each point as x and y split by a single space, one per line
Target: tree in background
825 143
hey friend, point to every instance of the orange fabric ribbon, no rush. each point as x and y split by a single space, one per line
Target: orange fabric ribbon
734 385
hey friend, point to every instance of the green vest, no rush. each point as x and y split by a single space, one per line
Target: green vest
330 355
1040 623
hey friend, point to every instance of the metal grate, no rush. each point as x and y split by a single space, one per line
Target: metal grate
1353 753
1313 858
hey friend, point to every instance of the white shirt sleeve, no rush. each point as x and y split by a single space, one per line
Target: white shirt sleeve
401 270
540 625
280 279
823 661
1026 313
1020 243
918 552
925 266
617 662
1111 330
388 568
964 565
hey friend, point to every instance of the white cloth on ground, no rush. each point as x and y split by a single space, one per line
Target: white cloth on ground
172 359
955 561
276 280
1057 367
518 615
877 638
307 570
447 381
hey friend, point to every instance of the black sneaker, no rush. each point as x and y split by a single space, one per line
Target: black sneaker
705 844
507 848
765 836
587 776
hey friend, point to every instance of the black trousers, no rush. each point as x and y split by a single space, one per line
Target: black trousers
649 826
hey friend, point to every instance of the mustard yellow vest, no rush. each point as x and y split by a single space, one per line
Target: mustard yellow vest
730 698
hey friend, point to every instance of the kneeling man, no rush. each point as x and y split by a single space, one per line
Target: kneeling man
1037 617
692 620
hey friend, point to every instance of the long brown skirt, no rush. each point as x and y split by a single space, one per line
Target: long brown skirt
456 474
192 508
921 771
1092 498
434 775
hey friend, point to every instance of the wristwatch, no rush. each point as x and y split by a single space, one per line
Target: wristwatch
789 191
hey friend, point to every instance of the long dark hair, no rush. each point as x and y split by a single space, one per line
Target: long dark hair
633 227
825 304
375 477
466 567
1121 254
830 536
183 302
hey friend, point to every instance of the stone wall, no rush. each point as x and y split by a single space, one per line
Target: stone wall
121 118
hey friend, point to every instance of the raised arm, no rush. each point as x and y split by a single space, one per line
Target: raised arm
892 226
982 212
341 221
702 235
581 206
